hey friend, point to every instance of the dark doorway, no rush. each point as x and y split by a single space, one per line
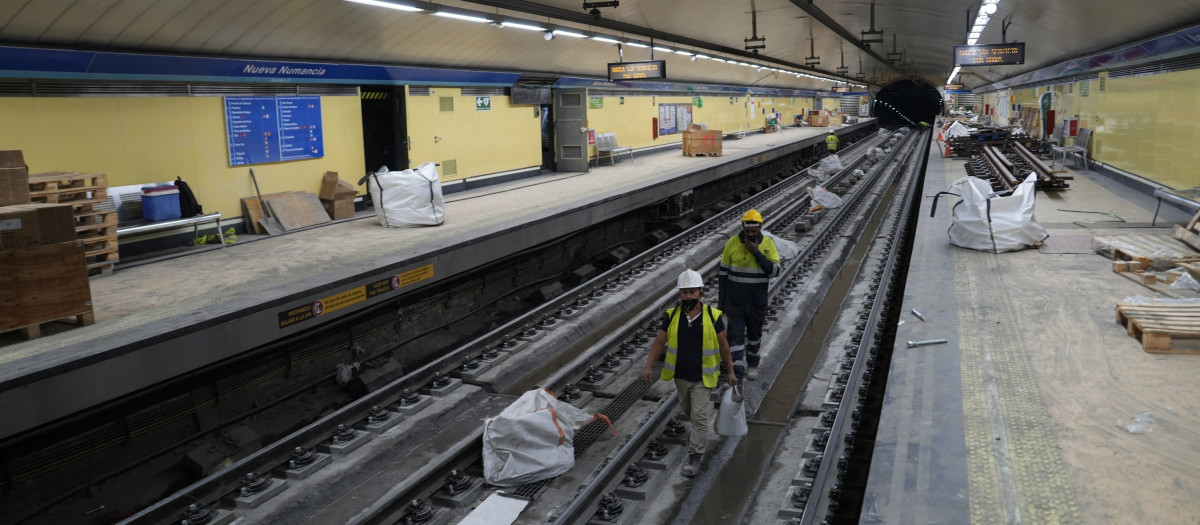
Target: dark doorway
547 137
385 130
906 103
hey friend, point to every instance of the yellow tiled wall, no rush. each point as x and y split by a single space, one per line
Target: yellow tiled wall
505 137
139 140
632 120
1146 125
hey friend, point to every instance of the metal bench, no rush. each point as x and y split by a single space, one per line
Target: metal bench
1167 194
606 144
128 203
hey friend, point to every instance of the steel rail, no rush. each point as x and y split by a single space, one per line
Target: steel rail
227 479
587 496
874 326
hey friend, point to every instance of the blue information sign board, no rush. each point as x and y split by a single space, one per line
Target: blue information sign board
273 129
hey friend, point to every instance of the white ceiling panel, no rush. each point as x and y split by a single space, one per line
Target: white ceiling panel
336 30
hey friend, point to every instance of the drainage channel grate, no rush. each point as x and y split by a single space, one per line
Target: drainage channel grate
592 432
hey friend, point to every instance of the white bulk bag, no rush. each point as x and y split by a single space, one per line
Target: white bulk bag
832 164
957 129
531 439
409 197
990 223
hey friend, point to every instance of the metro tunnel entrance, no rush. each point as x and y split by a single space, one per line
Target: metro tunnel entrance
906 102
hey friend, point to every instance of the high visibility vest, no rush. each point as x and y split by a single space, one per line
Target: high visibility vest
740 268
831 142
710 359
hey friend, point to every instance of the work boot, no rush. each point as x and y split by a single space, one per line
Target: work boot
692 465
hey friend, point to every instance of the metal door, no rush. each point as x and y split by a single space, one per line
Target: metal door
570 129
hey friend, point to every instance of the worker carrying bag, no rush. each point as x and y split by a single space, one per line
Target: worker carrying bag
993 222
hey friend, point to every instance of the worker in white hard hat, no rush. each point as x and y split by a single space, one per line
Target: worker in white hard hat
694 336
748 263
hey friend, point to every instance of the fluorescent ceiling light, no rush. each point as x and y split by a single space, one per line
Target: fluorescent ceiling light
456 16
563 32
683 52
518 25
389 5
636 44
971 41
703 56
978 28
665 49
973 35
606 39
721 60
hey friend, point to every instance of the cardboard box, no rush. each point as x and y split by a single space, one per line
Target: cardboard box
56 222
333 188
339 209
707 142
43 284
27 226
818 121
14 178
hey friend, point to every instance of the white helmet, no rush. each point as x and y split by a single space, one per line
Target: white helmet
690 279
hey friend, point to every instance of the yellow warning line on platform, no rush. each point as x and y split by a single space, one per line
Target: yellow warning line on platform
1015 469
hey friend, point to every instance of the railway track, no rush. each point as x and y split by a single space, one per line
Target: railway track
389 453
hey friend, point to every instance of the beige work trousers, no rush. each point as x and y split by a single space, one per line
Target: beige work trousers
695 399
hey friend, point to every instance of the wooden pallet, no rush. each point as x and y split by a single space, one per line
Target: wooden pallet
34 331
92 223
1162 328
56 181
1145 250
1157 281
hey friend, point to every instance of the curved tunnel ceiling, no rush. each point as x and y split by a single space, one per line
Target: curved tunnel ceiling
336 30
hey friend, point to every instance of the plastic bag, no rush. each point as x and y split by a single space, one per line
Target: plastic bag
824 197
990 223
1186 282
1140 423
531 439
731 418
787 249
875 154
409 197
831 164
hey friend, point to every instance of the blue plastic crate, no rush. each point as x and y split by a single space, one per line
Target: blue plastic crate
160 203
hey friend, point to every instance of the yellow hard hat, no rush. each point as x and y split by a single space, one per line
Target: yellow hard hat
752 216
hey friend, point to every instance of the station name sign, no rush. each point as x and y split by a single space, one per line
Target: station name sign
841 89
647 70
989 55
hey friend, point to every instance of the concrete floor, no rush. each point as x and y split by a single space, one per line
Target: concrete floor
1015 419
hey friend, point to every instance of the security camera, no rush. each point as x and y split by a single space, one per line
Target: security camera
694 58
548 35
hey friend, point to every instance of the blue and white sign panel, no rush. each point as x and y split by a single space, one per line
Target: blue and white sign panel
273 129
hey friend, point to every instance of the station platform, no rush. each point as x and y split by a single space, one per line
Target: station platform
161 320
1014 419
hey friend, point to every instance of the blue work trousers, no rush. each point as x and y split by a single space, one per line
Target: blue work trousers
744 334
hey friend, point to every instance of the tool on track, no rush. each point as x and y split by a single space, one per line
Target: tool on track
268 221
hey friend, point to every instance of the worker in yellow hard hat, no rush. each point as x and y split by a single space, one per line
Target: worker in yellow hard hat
748 263
693 335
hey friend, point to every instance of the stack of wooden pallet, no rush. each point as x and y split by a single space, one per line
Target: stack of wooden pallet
1171 327
95 215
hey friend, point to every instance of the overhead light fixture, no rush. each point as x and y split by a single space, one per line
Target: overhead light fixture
683 52
388 5
606 39
988 9
663 49
973 35
519 25
636 44
572 34
721 60
459 16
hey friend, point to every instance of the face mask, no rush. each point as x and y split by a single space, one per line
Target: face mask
688 304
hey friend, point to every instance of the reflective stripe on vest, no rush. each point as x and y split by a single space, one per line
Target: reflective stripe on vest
710 359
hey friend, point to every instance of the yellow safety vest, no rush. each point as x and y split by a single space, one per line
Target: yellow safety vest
710 360
831 142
